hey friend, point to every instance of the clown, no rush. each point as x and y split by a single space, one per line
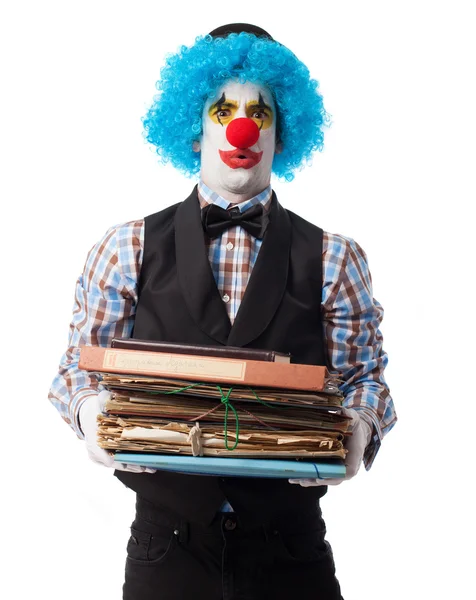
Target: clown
231 266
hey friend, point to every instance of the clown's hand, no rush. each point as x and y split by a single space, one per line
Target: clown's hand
88 414
355 445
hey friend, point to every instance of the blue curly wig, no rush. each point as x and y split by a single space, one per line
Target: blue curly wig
193 74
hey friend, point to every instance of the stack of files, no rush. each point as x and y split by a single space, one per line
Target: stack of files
206 422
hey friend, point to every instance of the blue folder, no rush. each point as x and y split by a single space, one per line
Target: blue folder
235 467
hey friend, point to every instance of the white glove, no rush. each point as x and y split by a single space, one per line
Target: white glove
355 445
88 413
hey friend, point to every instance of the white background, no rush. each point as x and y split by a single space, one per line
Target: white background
397 175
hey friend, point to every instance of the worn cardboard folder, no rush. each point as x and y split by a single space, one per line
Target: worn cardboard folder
203 368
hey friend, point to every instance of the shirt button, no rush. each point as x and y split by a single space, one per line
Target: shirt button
225 298
229 246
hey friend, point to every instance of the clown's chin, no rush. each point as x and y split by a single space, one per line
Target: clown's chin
246 182
239 181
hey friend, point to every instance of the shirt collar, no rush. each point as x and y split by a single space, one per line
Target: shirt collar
208 196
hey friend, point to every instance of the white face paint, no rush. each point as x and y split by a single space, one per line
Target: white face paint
225 172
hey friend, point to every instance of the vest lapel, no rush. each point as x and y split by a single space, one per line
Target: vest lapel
194 273
267 282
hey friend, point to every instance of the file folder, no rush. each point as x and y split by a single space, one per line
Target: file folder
236 467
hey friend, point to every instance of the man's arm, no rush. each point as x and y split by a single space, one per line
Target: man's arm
351 319
105 301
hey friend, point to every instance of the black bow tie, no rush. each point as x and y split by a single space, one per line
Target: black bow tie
216 220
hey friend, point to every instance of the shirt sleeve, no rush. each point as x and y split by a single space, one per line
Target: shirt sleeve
104 307
351 320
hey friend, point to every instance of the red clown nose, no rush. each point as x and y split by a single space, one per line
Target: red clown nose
242 133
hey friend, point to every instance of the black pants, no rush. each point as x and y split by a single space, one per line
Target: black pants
169 559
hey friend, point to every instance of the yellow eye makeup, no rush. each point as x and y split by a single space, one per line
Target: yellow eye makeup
223 111
260 112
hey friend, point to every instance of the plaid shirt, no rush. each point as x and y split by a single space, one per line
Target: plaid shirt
107 293
232 255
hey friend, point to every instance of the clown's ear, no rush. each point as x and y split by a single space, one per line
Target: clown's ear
279 147
196 146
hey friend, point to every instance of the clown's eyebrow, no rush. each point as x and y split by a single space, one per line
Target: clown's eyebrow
260 104
220 101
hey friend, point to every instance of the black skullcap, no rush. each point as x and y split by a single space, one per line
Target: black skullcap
225 30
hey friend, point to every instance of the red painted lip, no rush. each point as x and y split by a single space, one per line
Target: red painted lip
233 160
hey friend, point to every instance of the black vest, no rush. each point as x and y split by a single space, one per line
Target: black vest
281 310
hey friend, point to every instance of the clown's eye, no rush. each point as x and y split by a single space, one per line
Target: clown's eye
259 114
223 113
